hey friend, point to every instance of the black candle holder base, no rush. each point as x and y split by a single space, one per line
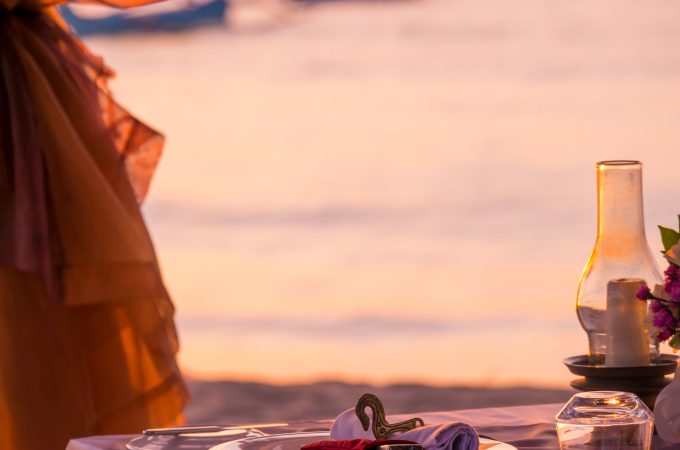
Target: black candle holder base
644 381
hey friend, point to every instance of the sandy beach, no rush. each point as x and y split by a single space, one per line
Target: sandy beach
231 402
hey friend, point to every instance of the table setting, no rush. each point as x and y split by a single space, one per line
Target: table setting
501 428
627 399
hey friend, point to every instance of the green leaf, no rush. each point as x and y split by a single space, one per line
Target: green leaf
669 237
675 341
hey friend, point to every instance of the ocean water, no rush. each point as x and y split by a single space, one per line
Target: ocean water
397 190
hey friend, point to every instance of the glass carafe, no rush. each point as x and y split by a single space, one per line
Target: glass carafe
621 251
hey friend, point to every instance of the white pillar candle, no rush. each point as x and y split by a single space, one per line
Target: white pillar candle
627 342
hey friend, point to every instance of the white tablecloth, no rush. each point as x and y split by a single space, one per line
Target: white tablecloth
525 427
530 425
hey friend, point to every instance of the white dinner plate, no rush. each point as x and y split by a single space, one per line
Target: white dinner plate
294 441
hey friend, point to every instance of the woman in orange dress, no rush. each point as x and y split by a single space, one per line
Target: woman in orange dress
87 339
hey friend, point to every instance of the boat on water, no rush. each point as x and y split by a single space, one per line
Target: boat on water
170 16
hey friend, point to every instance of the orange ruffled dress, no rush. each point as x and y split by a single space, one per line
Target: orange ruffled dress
87 339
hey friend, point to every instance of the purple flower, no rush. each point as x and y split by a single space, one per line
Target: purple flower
668 285
664 322
664 319
656 306
672 282
643 292
662 335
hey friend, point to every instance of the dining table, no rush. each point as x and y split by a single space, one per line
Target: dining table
522 427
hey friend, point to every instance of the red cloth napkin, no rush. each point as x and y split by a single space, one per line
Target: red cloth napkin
353 444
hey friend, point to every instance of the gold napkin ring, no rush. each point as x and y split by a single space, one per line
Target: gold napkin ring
381 428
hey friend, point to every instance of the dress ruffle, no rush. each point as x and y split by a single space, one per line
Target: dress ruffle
87 339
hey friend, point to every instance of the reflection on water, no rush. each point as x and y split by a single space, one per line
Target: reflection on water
393 191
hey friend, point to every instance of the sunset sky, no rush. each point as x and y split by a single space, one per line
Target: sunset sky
400 190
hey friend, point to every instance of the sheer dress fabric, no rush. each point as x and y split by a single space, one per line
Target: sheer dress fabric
87 339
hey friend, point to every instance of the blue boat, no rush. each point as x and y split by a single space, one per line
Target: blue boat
124 21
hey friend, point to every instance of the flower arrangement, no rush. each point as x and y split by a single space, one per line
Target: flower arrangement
665 299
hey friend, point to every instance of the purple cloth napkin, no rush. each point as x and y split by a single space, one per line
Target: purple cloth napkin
441 436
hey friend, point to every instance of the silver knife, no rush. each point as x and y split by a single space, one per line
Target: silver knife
183 430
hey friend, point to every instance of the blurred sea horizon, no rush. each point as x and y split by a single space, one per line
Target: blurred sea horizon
397 191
